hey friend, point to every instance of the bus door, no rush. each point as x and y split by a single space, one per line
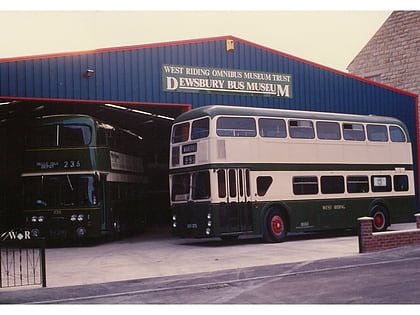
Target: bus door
237 216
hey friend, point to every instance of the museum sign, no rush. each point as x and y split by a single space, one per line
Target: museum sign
180 78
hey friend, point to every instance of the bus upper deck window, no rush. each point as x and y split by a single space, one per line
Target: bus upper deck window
301 129
236 127
200 128
272 128
396 133
181 132
377 133
72 135
45 136
354 132
328 130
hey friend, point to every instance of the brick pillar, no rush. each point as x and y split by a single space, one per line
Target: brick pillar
365 233
417 215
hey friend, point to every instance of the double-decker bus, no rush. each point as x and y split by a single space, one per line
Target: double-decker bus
239 170
82 178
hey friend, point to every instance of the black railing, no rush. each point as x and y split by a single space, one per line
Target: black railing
22 261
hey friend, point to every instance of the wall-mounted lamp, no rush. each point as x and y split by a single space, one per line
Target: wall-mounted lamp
230 45
89 73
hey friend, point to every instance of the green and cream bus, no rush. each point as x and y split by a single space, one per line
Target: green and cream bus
82 178
241 170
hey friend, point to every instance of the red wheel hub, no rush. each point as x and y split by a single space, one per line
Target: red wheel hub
379 220
277 225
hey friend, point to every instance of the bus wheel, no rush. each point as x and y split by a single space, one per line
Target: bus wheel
275 226
380 218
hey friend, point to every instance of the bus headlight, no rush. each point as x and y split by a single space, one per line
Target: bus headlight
39 219
80 217
35 233
208 231
73 217
80 232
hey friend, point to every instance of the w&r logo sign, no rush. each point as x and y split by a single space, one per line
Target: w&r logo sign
15 235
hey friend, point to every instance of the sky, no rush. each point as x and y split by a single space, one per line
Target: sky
330 37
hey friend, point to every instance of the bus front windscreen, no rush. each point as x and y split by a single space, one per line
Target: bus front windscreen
61 191
59 136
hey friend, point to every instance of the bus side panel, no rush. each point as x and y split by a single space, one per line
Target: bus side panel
401 209
329 214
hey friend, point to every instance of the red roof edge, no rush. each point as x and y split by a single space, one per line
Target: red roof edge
186 107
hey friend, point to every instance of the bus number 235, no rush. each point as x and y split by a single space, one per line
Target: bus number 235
72 164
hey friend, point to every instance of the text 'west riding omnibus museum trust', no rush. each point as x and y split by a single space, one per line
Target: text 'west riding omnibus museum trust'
141 89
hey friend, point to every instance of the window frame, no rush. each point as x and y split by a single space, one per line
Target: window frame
299 182
204 132
372 131
332 184
236 131
265 132
294 130
346 131
320 123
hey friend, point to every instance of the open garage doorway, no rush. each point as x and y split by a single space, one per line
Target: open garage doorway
151 122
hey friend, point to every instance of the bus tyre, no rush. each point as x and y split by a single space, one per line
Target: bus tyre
380 218
275 226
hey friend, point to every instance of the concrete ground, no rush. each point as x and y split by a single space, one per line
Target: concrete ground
156 254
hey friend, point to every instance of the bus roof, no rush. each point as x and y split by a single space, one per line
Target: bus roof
60 118
215 110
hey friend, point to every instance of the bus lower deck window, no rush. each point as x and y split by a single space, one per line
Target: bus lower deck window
381 183
305 185
400 182
332 184
201 185
263 183
221 180
357 184
180 187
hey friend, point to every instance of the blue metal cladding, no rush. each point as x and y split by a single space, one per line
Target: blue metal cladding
133 74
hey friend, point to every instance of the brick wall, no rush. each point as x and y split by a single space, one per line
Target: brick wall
371 242
392 56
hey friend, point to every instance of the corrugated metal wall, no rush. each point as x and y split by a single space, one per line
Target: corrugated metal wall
133 74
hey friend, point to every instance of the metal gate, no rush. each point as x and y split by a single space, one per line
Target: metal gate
22 261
